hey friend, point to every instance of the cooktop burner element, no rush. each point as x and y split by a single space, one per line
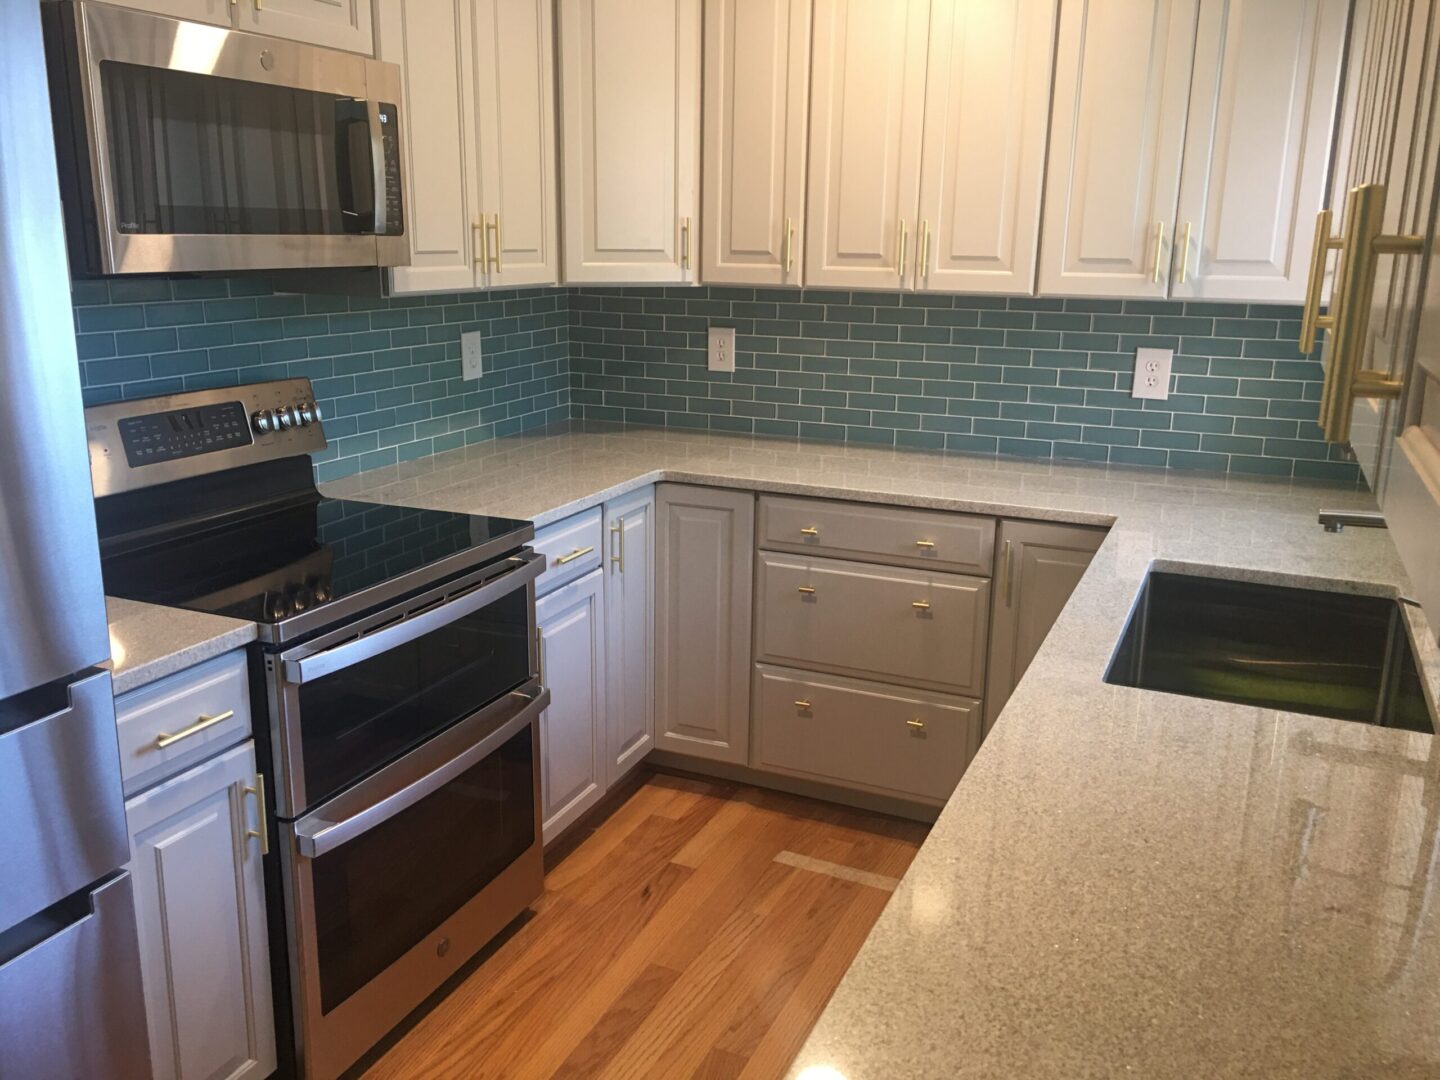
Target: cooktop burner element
232 524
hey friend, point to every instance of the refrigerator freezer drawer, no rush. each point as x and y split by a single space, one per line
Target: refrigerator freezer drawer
60 797
73 1001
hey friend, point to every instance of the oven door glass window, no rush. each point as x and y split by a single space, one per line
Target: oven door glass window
359 718
204 154
380 894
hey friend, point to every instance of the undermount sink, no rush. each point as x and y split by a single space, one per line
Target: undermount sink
1301 650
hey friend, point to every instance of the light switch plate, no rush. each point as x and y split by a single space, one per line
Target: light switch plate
472 357
722 348
1152 374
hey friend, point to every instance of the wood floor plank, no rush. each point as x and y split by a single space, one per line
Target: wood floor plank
669 943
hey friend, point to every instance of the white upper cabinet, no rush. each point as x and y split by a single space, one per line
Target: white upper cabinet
336 24
757 74
215 12
1122 80
867 105
1262 108
987 104
513 80
630 139
479 141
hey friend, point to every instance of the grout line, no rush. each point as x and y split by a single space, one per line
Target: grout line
835 870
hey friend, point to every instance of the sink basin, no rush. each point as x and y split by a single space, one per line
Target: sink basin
1302 650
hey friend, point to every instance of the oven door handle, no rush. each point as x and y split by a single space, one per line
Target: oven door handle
317 833
317 665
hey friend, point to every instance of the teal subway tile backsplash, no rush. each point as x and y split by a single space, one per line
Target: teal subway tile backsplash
1034 377
1029 376
386 372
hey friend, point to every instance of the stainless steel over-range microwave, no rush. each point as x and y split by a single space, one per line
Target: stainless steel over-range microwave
190 147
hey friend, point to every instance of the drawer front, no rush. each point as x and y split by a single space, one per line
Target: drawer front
572 548
182 705
883 738
915 627
956 543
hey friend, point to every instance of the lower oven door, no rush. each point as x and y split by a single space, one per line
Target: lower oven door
395 883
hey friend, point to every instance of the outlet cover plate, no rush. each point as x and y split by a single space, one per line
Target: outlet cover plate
722 348
1152 374
472 357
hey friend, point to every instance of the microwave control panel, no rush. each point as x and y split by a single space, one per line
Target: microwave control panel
390 147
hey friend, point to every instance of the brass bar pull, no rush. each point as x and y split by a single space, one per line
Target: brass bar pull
920 605
685 243
263 832
483 258
165 739
1007 565
922 255
577 553
808 590
259 5
802 703
493 256
900 261
925 544
915 722
1311 321
809 530
1185 254
1159 249
789 245
617 544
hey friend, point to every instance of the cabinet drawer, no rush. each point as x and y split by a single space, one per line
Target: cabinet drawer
171 706
884 738
916 627
956 543
572 548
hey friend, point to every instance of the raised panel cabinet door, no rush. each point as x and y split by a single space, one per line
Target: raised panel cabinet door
200 907
1263 101
629 631
1122 83
987 108
756 101
704 569
428 39
630 139
571 623
514 123
867 115
215 12
335 24
1037 567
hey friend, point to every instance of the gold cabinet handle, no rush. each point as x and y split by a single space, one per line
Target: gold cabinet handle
165 739
900 261
259 5
920 605
577 553
1159 248
1311 321
789 245
263 832
802 703
915 722
617 544
922 254
492 258
1361 245
685 243
808 590
1185 254
483 247
1007 565
809 530
927 544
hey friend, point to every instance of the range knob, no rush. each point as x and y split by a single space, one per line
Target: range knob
309 413
286 417
264 421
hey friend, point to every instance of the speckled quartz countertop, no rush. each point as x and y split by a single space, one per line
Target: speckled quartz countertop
148 642
1125 883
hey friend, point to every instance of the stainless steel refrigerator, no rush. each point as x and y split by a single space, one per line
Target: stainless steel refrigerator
71 1003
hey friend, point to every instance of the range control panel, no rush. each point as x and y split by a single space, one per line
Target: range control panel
183 433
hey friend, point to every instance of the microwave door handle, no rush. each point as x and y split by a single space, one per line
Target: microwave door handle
302 669
317 834
379 185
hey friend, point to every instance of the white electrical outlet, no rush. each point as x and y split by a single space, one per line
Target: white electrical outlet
472 357
1152 373
722 348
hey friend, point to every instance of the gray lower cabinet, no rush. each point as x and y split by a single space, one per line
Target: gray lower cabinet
629 569
1038 565
195 856
571 623
705 553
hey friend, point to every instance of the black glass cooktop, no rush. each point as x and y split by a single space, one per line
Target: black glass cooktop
268 566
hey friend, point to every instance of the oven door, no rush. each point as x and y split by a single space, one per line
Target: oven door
398 881
189 147
351 701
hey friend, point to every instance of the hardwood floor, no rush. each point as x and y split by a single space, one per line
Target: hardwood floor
698 931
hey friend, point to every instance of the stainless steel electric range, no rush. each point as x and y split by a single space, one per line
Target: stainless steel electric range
397 668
